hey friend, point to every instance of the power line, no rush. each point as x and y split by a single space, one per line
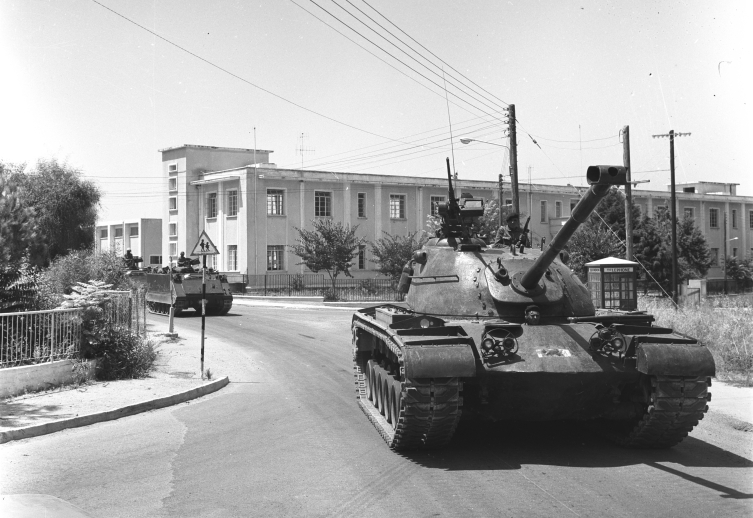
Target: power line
232 74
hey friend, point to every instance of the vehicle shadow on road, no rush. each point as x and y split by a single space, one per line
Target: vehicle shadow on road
510 446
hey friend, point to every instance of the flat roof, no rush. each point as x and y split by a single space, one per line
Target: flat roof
219 148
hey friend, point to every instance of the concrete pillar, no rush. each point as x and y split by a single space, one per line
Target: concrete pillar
419 208
302 209
378 211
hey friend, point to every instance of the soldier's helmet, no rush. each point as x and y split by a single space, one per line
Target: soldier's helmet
512 216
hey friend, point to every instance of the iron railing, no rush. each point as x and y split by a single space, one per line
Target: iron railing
39 336
316 284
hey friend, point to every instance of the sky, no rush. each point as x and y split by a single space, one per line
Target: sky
377 87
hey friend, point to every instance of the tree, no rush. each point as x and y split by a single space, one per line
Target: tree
65 205
393 252
740 269
654 248
592 241
612 210
330 247
19 235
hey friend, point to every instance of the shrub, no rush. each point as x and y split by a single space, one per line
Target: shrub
723 324
330 295
123 354
126 355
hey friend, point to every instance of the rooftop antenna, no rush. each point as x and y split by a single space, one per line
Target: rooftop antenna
302 149
452 144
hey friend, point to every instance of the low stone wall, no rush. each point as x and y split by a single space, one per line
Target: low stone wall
42 376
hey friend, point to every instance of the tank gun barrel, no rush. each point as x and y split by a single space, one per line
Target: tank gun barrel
600 178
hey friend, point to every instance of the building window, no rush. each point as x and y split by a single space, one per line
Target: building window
734 218
688 211
544 214
173 227
134 231
155 259
397 206
172 168
173 203
211 205
557 209
362 257
361 204
103 233
435 201
573 203
173 251
232 203
322 204
119 232
508 202
172 184
734 252
714 218
275 257
232 257
750 218
275 200
211 261
714 257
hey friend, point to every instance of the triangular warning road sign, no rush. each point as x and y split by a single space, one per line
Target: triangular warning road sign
204 246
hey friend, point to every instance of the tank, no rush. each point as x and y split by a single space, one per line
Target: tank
183 287
511 333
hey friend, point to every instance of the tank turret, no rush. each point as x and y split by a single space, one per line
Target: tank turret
499 331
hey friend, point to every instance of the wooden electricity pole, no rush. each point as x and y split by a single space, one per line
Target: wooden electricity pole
513 159
673 201
628 194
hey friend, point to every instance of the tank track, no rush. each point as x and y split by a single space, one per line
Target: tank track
675 406
159 308
410 414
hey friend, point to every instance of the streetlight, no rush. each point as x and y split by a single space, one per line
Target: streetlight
468 141
725 260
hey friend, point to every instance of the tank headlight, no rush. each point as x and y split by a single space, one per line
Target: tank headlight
425 322
617 343
509 343
488 344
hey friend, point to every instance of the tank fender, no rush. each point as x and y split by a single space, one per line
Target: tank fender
675 360
439 361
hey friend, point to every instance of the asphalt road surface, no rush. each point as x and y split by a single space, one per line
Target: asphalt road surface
286 438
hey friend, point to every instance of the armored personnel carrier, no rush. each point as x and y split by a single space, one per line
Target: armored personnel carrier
183 288
512 334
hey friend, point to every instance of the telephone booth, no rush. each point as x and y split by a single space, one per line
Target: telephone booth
611 282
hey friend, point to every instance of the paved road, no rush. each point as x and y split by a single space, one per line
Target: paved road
286 438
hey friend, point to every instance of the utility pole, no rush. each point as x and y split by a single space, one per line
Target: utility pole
673 197
501 185
628 194
724 240
513 159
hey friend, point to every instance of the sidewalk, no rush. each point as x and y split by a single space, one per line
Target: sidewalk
177 379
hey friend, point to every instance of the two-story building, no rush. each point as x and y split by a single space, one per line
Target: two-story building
251 209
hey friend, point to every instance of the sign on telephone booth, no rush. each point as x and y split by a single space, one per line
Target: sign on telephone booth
611 282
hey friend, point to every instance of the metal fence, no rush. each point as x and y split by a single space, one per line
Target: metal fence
127 309
39 336
316 284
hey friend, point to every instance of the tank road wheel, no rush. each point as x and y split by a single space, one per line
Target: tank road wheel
409 415
674 405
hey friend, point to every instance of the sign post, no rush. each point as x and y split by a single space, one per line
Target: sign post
204 247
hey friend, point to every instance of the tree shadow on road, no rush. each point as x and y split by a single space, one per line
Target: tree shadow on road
15 414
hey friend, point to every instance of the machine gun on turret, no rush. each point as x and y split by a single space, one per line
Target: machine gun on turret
457 213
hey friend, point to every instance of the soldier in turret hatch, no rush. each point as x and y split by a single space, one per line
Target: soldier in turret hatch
128 260
183 260
511 233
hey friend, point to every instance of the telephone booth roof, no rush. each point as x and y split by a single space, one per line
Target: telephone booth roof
611 261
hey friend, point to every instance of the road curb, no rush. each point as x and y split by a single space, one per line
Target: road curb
110 415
